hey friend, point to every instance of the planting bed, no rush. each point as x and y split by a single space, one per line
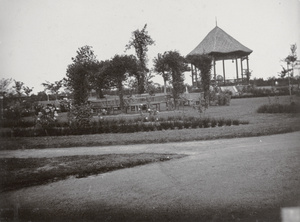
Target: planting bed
241 110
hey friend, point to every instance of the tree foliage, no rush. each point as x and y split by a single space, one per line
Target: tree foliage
203 63
53 87
162 68
27 90
120 68
5 86
140 41
100 79
78 74
18 88
290 60
175 64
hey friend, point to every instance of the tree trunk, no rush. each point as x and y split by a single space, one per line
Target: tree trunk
165 84
141 83
120 87
100 94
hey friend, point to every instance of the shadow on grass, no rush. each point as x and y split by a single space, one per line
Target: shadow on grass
16 173
101 212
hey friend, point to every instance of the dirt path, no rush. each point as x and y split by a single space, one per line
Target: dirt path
244 179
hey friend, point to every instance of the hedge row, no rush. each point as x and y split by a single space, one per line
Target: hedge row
117 126
279 108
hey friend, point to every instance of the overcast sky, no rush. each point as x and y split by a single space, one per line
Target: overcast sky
39 37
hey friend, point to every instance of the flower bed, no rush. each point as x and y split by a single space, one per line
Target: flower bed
140 124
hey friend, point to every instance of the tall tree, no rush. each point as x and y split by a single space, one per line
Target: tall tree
18 88
4 90
290 61
100 79
79 72
27 90
291 58
162 68
204 64
53 87
5 86
120 68
140 41
176 65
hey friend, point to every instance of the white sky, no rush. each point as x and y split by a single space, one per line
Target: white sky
39 37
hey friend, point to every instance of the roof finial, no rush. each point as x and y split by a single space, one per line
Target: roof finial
216 21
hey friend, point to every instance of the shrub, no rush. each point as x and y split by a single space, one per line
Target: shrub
205 122
10 123
195 124
221 122
151 127
224 99
235 122
46 117
107 125
213 123
279 108
178 124
80 116
228 122
165 125
187 124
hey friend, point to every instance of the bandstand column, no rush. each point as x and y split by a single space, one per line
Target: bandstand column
223 71
237 70
248 77
215 75
247 64
192 74
242 69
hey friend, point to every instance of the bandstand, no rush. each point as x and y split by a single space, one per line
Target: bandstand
221 46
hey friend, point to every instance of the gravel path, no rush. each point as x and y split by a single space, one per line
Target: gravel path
243 179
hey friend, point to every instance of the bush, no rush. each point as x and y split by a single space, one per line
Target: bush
279 108
195 124
213 123
187 124
228 122
46 117
224 99
80 116
10 123
117 126
235 122
165 125
205 122
221 122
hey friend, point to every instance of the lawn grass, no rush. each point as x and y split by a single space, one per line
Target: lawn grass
17 173
244 110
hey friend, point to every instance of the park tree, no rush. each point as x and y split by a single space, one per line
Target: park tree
203 63
18 88
162 68
140 41
149 87
291 58
5 87
53 88
100 79
27 90
176 65
78 74
120 68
